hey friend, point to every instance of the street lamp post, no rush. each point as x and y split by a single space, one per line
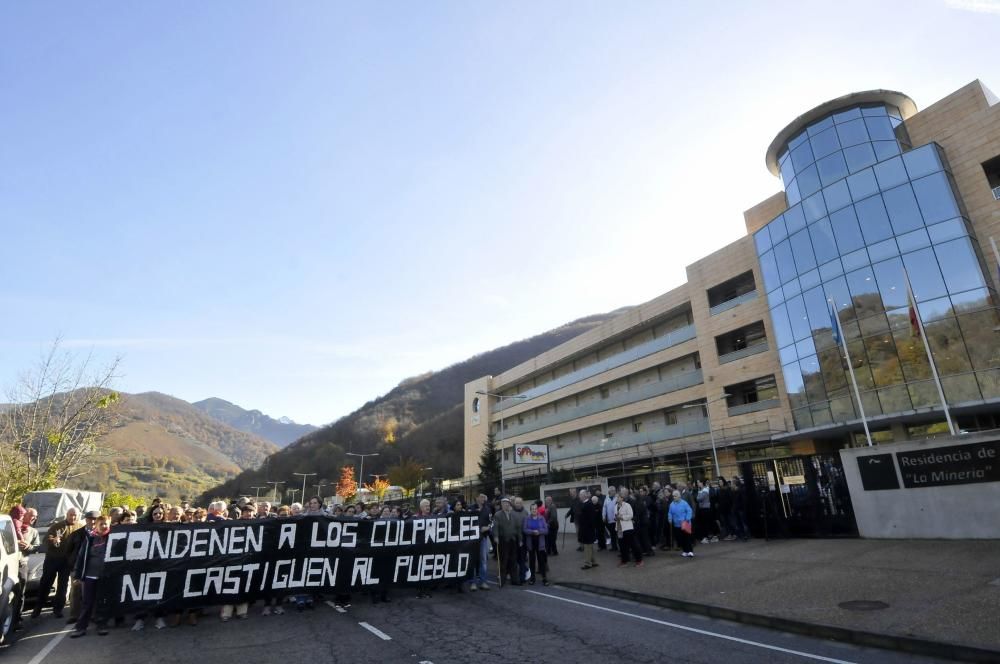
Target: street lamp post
711 433
257 489
304 476
294 492
361 475
421 489
500 398
274 496
319 489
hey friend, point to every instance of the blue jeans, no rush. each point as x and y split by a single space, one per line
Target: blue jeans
484 556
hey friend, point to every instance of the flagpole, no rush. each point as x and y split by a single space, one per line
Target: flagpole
839 333
912 301
996 254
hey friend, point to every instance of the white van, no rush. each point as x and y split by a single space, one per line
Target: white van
10 556
52 505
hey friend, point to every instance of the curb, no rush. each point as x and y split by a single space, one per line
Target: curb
906 644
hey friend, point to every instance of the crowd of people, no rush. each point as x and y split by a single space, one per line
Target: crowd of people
634 523
520 537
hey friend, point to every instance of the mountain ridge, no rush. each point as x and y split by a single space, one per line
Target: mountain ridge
281 431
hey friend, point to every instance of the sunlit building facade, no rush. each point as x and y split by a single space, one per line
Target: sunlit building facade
738 372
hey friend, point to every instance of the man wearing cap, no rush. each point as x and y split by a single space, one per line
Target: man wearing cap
57 565
76 540
507 531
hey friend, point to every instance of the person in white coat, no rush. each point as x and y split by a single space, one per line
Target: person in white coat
628 545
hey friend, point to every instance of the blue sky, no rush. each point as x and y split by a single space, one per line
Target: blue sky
294 206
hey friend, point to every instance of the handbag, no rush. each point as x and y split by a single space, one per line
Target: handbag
686 526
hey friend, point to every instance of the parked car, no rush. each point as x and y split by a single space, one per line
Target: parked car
10 556
52 505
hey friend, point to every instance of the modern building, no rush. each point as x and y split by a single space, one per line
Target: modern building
740 370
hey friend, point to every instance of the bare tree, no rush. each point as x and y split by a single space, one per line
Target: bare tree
50 426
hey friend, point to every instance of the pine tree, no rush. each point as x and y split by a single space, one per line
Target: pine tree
489 466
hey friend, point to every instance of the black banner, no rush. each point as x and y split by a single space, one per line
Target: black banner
958 464
175 566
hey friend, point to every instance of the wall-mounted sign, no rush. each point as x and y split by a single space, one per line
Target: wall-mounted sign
531 454
958 464
878 473
757 453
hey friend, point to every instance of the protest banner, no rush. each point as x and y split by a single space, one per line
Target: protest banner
177 566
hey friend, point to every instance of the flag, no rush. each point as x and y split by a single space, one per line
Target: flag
834 324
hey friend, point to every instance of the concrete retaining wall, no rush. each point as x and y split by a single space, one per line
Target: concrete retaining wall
940 489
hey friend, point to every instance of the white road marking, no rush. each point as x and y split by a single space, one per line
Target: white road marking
695 630
338 609
43 653
376 631
38 636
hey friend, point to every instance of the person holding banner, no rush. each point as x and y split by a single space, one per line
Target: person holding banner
88 569
485 514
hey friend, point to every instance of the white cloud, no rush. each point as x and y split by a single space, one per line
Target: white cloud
979 6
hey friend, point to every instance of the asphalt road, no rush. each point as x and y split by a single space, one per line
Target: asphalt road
527 624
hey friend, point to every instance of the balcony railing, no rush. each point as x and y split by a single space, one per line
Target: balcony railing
743 352
745 408
650 437
647 391
735 302
672 338
996 193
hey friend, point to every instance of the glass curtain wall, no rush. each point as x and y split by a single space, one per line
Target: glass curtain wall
862 205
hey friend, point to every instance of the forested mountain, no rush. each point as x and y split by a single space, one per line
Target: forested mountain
279 431
419 419
162 446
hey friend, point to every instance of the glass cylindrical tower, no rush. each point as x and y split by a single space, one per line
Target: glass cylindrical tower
862 204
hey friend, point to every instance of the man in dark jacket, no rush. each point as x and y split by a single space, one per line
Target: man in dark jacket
57 565
552 519
507 531
587 520
485 514
76 542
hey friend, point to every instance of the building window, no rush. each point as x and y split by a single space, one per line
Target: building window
636 427
605 392
475 405
992 170
670 417
752 391
730 290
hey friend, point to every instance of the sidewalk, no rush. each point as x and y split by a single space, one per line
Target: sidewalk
946 592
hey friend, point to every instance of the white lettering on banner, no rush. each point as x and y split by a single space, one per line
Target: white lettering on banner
183 543
306 573
338 534
363 571
143 589
286 536
432 566
231 580
112 538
